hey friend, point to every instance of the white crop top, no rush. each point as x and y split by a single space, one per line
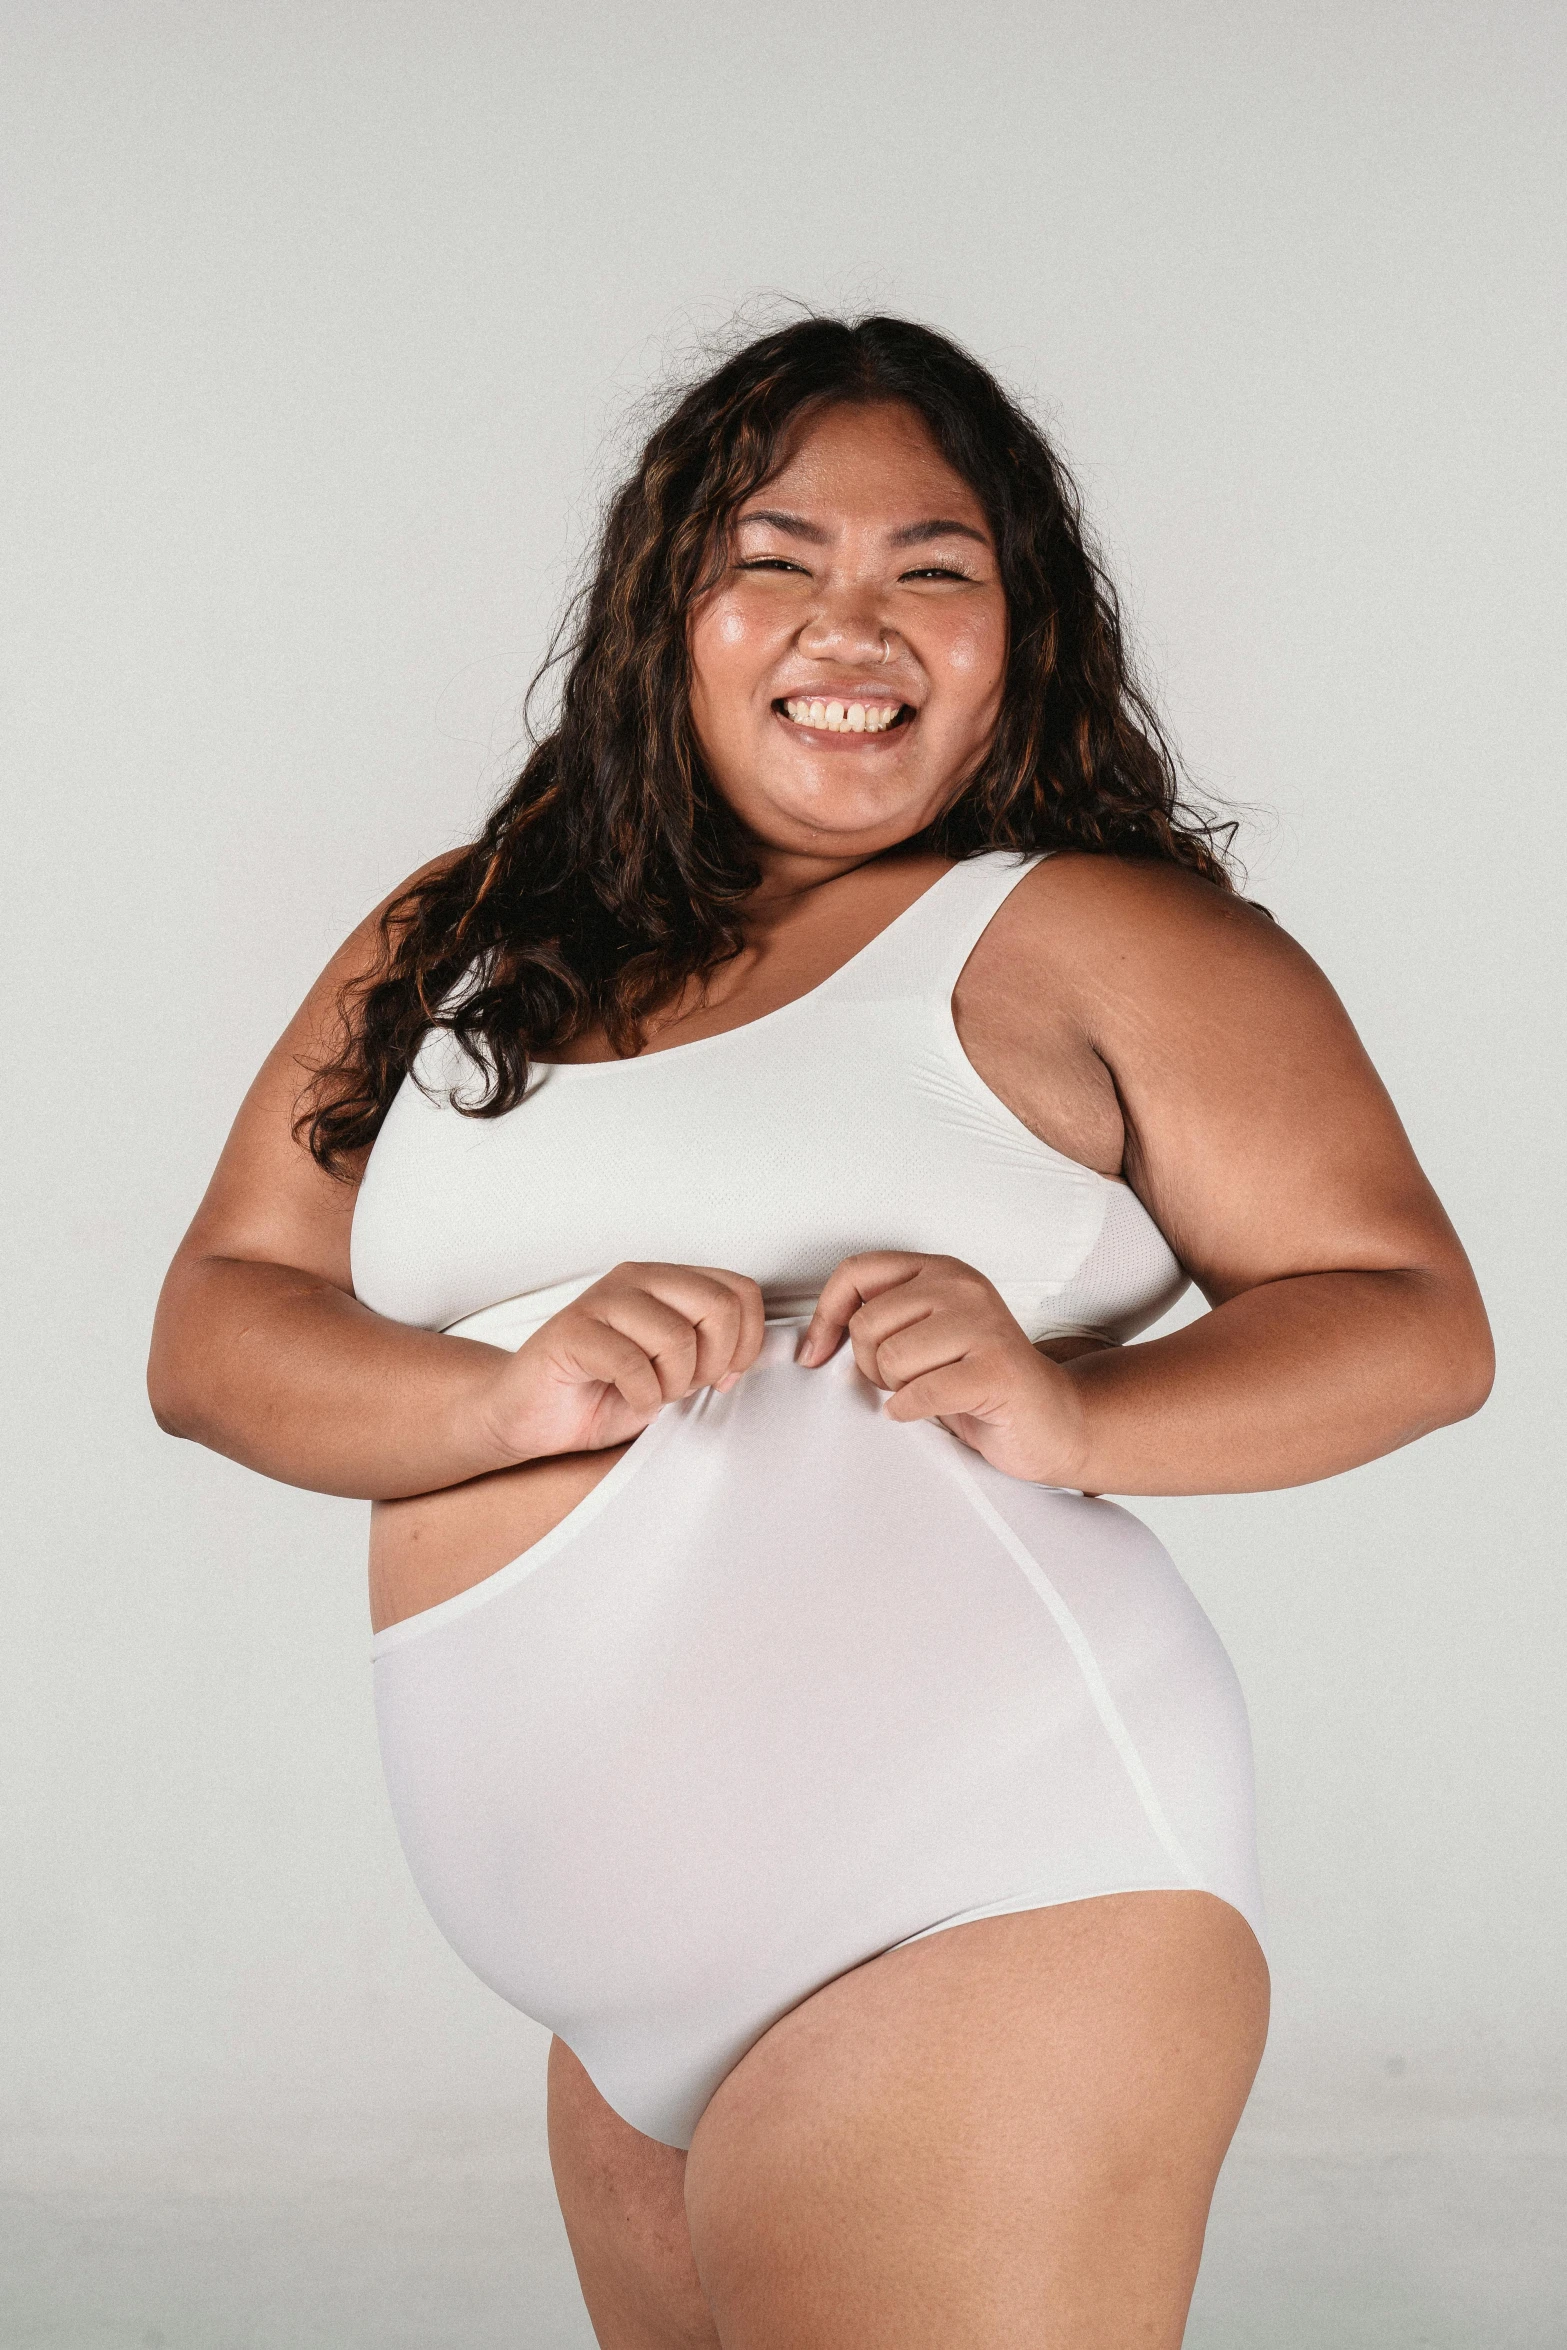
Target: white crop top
850 1119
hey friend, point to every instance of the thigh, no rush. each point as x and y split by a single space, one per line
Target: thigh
1004 2135
621 2196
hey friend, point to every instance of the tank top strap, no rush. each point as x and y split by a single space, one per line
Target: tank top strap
924 950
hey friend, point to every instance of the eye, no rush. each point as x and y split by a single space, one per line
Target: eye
767 563
938 571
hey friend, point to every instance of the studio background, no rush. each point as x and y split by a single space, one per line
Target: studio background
324 322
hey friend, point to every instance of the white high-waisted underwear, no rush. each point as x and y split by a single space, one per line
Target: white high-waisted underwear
793 1685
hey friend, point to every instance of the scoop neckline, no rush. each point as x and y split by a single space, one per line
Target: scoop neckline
695 1044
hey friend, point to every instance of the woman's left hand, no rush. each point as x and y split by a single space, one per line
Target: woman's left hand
937 1333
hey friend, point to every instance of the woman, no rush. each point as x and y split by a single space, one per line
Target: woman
836 1045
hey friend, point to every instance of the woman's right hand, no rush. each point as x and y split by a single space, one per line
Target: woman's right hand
600 1370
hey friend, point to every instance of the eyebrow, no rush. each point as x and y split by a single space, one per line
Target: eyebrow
913 534
916 533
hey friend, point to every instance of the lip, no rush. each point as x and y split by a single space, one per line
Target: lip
864 689
821 738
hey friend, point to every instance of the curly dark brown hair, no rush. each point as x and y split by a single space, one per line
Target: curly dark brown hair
613 870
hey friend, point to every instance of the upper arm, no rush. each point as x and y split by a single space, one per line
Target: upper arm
1259 1136
268 1200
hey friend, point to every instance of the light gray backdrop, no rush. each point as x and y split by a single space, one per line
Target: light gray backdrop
322 320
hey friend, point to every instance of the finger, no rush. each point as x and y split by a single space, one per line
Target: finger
922 1343
753 1318
666 1336
753 1329
755 1322
686 1313
715 1313
952 1387
596 1350
905 1331
849 1286
727 1313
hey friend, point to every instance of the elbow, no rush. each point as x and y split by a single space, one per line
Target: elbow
1466 1363
170 1386
165 1395
1474 1377
166 1414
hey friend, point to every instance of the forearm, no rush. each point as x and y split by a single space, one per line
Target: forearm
288 1374
1293 1380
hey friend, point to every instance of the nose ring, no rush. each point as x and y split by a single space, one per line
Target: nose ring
886 649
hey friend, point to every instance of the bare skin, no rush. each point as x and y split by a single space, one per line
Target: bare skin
869 2177
1007 2133
431 1546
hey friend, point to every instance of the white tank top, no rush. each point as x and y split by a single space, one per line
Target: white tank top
850 1119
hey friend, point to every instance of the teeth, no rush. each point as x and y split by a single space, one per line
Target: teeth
844 717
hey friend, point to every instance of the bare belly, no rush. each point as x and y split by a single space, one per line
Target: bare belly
433 1545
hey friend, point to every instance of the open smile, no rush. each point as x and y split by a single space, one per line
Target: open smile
844 721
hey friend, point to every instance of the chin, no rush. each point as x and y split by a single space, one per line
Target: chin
859 822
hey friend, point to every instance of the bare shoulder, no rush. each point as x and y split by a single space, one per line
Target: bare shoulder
316 1027
1106 908
268 1198
362 949
1138 946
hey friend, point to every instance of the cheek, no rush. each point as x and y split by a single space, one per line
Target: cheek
725 650
975 656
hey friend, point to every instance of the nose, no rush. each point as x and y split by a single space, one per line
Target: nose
845 628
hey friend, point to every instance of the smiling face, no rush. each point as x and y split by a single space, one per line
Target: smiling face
846 670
